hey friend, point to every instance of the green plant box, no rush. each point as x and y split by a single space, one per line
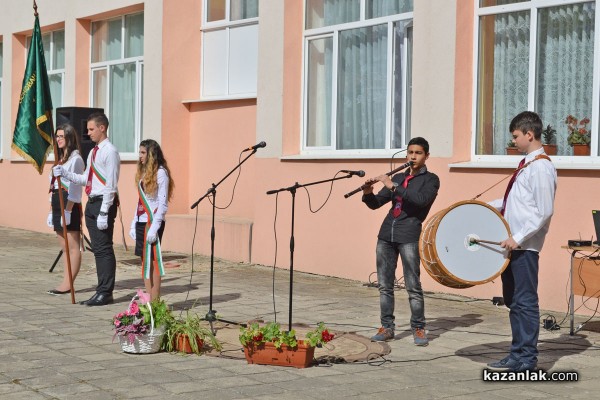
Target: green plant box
300 356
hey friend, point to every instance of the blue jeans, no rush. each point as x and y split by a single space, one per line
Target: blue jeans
387 259
519 288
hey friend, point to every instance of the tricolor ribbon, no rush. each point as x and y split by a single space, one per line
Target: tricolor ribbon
95 171
147 259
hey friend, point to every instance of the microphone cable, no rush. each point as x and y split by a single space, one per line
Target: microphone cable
326 200
275 234
234 186
392 165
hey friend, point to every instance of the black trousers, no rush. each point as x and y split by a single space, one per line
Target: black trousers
102 245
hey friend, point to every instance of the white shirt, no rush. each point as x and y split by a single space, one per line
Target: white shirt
530 203
157 201
74 164
108 164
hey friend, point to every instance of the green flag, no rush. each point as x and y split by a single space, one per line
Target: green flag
32 138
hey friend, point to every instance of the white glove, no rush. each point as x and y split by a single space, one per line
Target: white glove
49 220
67 218
152 234
60 171
57 170
102 222
132 230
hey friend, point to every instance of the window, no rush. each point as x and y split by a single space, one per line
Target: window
54 54
229 49
357 74
117 77
534 56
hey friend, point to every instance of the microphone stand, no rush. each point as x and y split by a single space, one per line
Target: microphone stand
211 315
292 190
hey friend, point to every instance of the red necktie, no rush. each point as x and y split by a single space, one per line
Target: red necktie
88 185
398 207
510 185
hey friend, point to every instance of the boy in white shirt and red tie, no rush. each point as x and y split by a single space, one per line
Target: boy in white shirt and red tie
527 206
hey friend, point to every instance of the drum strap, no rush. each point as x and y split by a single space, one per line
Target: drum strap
538 157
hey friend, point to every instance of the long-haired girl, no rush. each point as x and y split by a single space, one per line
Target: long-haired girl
69 157
155 189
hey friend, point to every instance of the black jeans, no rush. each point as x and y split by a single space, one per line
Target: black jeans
102 245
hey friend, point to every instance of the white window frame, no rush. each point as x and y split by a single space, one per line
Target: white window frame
212 26
533 6
334 31
105 65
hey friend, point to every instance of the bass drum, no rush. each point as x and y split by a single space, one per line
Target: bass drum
446 249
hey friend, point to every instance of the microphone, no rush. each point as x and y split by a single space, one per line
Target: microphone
256 146
360 173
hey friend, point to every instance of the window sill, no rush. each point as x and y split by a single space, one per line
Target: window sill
585 163
224 98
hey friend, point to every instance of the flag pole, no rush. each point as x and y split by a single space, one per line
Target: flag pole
62 214
60 197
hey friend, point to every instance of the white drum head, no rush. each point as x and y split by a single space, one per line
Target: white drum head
473 263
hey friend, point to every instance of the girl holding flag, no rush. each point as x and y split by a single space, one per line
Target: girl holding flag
67 142
155 189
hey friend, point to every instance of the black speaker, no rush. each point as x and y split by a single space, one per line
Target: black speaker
77 116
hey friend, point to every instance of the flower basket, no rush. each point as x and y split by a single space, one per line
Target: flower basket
266 353
145 343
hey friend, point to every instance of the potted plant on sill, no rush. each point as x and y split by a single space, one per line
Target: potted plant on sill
549 140
188 335
579 135
511 148
141 327
269 345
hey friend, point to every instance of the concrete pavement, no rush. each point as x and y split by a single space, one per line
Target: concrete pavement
50 348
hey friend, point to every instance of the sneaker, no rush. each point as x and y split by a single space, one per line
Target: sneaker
508 363
522 367
383 335
420 336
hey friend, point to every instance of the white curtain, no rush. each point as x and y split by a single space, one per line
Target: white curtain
243 9
511 66
403 41
321 13
134 35
319 87
362 88
382 8
565 67
122 106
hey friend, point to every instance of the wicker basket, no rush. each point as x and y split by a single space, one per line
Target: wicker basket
144 344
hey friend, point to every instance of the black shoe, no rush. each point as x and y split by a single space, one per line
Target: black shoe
101 300
85 303
506 364
522 367
55 292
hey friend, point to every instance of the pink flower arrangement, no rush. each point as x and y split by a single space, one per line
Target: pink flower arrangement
136 320
578 132
131 323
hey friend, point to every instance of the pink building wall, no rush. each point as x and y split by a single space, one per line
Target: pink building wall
202 141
